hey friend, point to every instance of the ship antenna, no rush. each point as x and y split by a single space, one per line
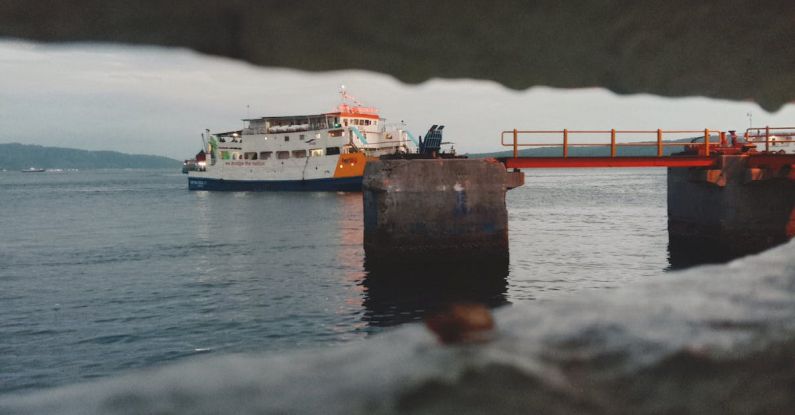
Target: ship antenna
346 96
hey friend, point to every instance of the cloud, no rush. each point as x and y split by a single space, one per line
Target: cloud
158 101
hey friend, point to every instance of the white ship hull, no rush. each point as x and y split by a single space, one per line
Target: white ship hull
342 172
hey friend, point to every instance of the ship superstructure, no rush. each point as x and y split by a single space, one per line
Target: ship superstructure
326 151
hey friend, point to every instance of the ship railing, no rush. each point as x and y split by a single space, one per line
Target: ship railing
411 137
399 138
360 135
771 136
384 144
292 128
567 139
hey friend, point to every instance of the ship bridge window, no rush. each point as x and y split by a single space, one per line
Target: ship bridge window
301 137
281 155
316 152
335 133
286 138
264 155
250 155
299 154
330 151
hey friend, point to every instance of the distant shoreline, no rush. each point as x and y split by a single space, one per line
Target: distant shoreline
16 157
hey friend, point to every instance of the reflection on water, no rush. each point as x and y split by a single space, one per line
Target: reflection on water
691 251
400 293
685 254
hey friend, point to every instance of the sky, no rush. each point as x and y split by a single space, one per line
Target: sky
151 100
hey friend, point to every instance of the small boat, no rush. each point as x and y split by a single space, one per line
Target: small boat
191 164
32 170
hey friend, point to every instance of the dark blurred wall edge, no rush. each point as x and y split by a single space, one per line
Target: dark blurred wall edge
730 49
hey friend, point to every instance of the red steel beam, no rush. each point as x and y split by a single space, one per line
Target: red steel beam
771 161
594 162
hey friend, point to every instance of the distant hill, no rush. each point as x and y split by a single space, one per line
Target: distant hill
649 151
15 156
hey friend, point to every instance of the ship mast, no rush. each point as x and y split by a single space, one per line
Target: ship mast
355 107
345 96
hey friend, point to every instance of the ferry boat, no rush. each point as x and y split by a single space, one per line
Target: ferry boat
316 152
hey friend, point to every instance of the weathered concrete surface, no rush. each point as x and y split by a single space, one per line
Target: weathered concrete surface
435 209
710 340
735 49
734 209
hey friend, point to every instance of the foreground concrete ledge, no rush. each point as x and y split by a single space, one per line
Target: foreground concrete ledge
710 340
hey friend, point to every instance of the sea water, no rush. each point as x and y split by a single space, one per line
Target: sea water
106 271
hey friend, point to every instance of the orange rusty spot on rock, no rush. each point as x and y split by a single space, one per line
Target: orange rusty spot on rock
791 224
462 323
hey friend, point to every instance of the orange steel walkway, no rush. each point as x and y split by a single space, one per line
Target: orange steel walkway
696 154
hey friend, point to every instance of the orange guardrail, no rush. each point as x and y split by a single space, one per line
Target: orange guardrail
612 135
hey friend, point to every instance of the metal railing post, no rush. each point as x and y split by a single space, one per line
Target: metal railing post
515 144
659 143
613 142
706 142
565 143
767 138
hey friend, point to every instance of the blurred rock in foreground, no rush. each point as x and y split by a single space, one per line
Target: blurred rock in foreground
709 340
